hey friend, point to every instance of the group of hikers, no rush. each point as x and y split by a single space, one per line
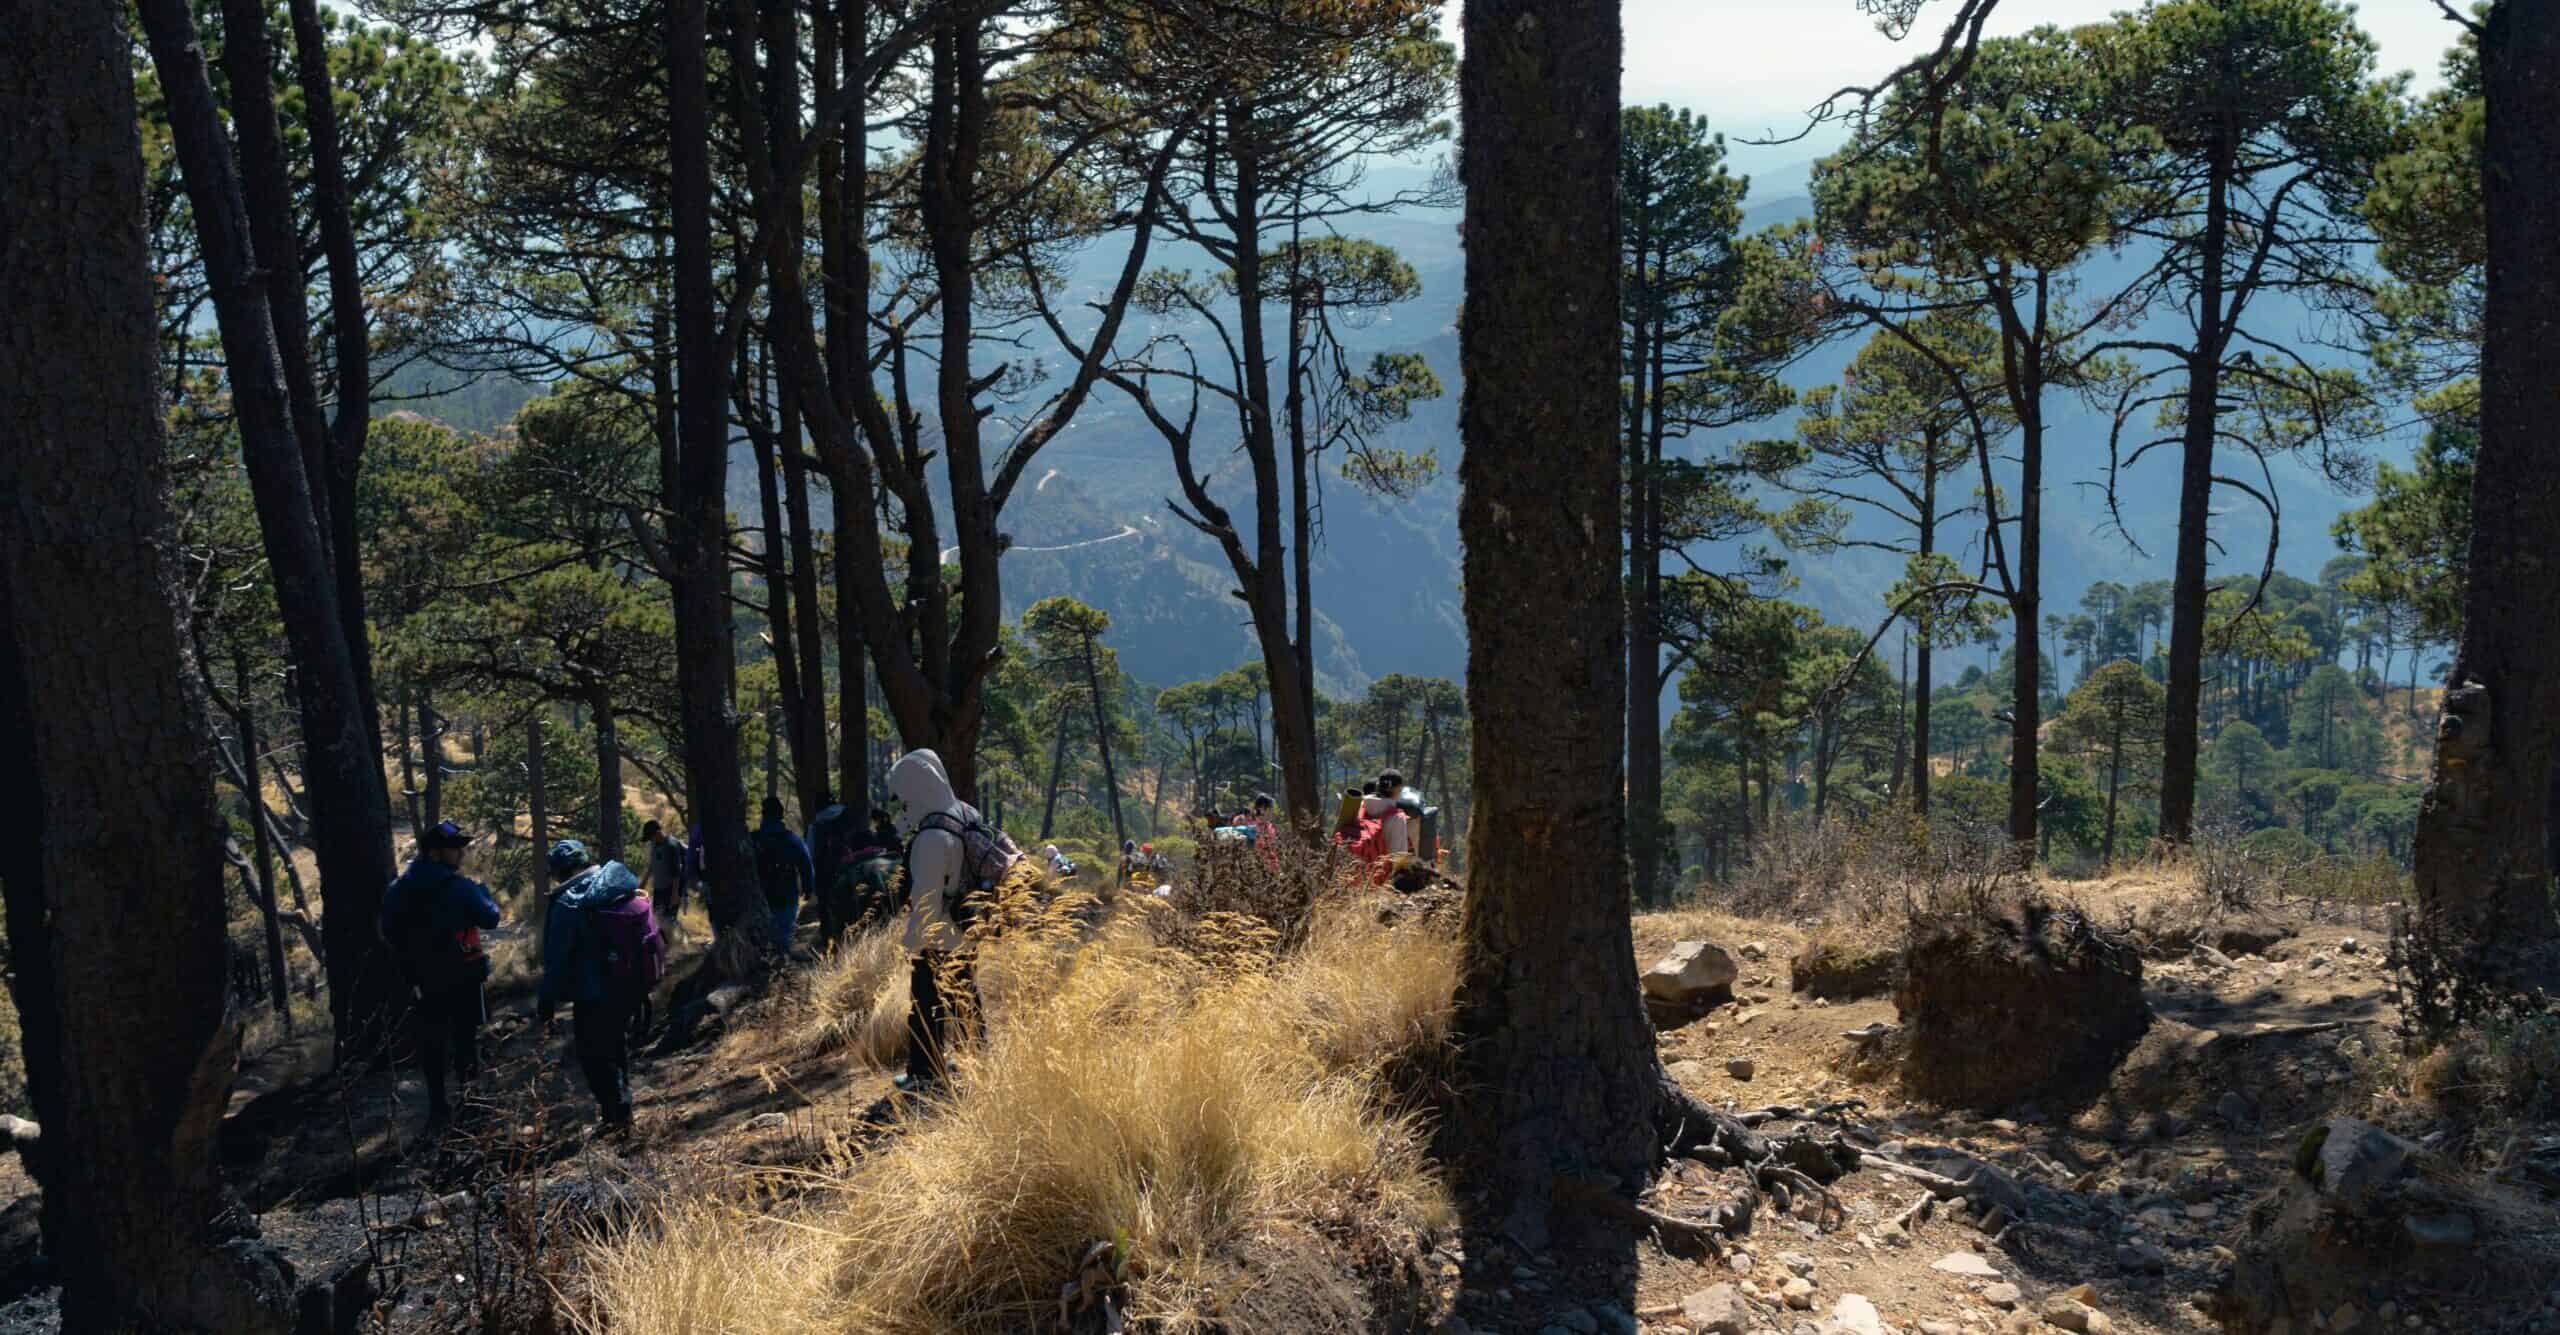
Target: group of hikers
928 855
605 929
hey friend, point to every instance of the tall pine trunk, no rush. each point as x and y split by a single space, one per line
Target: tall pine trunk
1920 678
2195 513
264 884
1553 1033
2481 851
698 530
128 1038
350 339
608 774
350 804
1102 734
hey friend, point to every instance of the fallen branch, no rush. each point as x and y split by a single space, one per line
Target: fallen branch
1940 1185
1909 1221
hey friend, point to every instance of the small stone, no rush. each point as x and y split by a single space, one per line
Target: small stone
2233 1109
1687 1072
1854 1315
1797 1263
2142 1258
2020 1323
2349 946
772 1121
2083 1294
1523 1272
1739 1262
1716 1311
2356 1158
2202 1211
2346 1318
2078 1318
1578 1321
1798 1293
1753 950
1613 1319
1940 1328
2004 1296
1740 1068
1967 1264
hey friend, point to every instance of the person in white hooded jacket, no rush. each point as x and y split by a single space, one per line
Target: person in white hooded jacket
937 865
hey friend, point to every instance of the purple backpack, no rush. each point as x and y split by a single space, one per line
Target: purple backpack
626 933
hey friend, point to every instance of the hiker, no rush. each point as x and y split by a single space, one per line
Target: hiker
954 861
783 872
875 860
1059 865
1388 806
433 917
601 953
668 873
1128 860
855 868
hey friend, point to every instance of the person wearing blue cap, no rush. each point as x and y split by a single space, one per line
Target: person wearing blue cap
433 917
601 953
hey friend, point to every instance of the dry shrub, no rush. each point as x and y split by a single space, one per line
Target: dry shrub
1884 866
1277 884
708 1266
857 1000
1189 1110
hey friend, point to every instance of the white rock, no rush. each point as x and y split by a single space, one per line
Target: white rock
1967 1264
1854 1315
1798 1293
1797 1263
1691 970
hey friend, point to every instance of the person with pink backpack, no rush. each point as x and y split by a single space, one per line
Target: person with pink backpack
601 953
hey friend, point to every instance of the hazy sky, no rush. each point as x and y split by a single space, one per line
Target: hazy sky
1754 66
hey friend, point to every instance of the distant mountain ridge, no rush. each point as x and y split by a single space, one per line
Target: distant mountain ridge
1096 526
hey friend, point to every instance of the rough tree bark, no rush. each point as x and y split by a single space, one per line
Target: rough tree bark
350 803
351 350
698 530
2481 853
2195 511
1559 1057
128 1038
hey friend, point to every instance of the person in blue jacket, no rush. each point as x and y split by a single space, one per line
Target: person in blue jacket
783 871
432 917
601 953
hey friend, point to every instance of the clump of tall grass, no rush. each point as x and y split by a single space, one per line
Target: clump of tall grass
1185 1110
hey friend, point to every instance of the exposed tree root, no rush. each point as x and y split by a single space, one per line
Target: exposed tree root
1695 1239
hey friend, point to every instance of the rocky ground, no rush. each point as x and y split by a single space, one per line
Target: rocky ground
2124 1211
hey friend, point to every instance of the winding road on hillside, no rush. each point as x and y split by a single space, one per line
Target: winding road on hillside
1126 531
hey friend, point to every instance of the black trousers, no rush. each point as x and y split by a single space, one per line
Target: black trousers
944 992
601 1032
447 1022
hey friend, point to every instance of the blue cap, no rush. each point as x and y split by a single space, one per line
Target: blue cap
568 855
444 834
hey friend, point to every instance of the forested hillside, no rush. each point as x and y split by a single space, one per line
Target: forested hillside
1233 666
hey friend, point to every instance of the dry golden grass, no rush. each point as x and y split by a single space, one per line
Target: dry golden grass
1125 1091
